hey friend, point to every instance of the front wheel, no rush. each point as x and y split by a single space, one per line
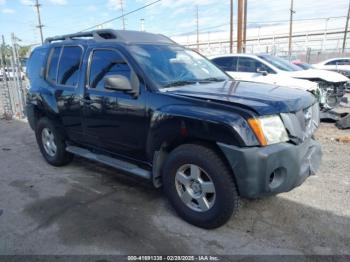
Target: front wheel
200 186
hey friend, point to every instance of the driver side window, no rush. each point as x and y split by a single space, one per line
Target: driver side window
250 65
105 63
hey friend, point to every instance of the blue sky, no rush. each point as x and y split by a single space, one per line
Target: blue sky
170 17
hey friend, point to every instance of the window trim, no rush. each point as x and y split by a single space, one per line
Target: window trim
49 64
59 62
88 68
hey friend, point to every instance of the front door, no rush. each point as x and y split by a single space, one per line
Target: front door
114 121
250 69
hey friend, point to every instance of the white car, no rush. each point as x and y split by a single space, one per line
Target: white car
10 74
341 65
328 86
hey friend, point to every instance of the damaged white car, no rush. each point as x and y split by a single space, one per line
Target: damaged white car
328 86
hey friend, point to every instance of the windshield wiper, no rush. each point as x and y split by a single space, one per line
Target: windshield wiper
180 83
194 81
212 79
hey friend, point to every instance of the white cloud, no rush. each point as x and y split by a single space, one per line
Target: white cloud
58 2
8 11
114 4
2 2
27 2
180 3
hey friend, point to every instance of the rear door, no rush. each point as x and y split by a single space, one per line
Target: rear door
63 73
113 120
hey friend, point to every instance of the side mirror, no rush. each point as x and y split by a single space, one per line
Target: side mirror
118 82
261 71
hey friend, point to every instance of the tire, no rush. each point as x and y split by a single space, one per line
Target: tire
58 157
221 204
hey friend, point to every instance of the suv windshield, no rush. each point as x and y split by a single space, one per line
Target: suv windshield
280 63
175 66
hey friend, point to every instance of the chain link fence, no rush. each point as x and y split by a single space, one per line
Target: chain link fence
12 82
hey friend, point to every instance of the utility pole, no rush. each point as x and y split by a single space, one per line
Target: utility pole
122 9
239 25
245 26
40 25
142 20
290 28
197 27
231 26
346 30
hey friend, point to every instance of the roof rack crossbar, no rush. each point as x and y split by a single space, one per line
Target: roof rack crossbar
96 35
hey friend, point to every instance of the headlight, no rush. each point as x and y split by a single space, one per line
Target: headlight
269 130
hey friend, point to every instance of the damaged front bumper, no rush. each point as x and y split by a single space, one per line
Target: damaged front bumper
262 171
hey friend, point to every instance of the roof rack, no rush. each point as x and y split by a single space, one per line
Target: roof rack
126 36
96 35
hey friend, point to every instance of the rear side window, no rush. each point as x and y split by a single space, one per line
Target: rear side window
53 64
68 70
226 63
35 63
339 62
104 63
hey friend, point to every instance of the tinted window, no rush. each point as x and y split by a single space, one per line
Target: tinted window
339 62
53 60
250 65
104 63
280 63
226 63
68 72
36 62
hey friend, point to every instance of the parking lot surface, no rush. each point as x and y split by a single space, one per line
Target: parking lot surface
87 208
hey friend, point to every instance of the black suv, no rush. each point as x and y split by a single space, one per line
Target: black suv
147 106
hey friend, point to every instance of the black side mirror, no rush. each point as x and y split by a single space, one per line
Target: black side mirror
262 71
117 82
122 83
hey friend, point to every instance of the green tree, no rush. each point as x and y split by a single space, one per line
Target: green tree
23 51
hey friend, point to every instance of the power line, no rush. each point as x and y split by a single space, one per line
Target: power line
116 18
301 19
255 23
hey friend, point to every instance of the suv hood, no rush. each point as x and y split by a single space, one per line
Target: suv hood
264 99
325 75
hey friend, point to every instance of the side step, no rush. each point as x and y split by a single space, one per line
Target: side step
116 163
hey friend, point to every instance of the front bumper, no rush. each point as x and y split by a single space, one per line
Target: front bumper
263 171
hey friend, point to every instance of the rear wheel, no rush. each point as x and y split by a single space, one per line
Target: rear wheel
51 143
200 186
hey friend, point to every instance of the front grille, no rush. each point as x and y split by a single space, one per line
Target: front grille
302 125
